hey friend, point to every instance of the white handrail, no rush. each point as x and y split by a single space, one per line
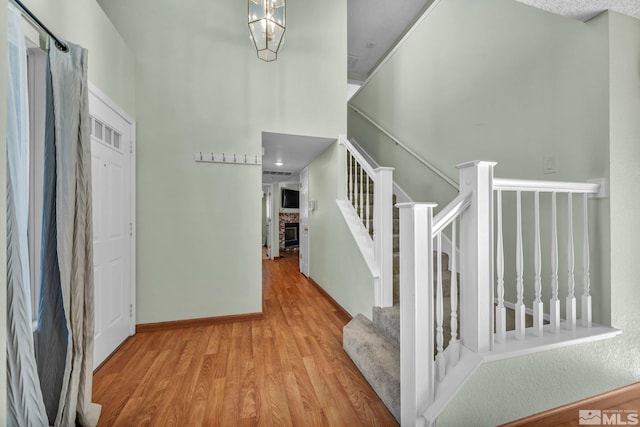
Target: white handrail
369 215
407 149
359 157
450 212
507 184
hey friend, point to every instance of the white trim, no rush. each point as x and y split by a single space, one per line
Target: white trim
93 89
361 236
470 361
449 213
269 213
401 195
308 211
111 103
134 224
508 184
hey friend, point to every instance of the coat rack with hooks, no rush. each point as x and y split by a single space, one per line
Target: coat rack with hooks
238 159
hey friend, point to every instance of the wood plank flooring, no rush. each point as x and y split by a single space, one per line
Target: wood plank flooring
286 370
622 401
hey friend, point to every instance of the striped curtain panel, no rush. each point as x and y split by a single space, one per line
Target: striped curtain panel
25 405
66 310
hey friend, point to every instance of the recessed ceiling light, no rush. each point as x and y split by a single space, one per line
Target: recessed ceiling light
371 44
279 163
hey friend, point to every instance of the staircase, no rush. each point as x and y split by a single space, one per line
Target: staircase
375 346
418 355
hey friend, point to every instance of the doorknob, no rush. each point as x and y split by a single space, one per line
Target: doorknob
306 229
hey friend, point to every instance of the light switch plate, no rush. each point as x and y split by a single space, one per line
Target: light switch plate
549 165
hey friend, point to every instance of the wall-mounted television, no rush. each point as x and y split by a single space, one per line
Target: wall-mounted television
290 198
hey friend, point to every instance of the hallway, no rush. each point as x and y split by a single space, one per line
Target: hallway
288 369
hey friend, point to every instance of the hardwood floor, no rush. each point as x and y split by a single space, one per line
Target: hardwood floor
616 404
286 370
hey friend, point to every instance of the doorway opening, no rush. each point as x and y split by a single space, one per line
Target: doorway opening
287 196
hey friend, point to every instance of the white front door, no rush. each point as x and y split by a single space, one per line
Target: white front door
304 221
111 135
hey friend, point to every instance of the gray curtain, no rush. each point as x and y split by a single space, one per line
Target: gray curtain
66 311
25 406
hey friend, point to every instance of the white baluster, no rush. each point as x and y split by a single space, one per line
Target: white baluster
349 174
454 344
586 298
538 320
520 308
355 185
554 303
570 321
353 181
501 312
368 208
440 362
361 192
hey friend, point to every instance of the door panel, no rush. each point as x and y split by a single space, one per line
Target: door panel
111 162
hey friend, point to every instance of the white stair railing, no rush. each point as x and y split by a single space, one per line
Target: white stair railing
365 197
534 188
425 358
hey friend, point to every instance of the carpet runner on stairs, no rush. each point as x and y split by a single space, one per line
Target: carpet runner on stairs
375 346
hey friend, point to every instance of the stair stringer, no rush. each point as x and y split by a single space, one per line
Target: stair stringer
459 374
359 233
453 382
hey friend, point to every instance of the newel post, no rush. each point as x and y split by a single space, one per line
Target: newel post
417 369
383 233
476 232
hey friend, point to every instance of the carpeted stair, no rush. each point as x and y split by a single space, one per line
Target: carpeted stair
375 346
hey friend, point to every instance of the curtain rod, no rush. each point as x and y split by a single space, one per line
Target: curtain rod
59 44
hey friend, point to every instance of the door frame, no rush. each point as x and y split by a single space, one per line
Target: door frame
93 89
267 190
304 249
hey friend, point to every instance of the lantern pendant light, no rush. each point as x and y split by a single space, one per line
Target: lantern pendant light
267 25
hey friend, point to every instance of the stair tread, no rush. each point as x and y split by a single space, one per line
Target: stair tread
377 357
387 320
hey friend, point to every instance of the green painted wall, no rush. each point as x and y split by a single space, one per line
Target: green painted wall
200 87
624 154
536 85
498 80
111 63
335 260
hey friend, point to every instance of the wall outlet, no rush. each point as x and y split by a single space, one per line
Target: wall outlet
549 165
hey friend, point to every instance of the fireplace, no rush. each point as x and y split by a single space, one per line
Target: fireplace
291 234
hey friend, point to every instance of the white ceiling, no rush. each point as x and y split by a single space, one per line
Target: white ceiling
294 151
383 22
374 26
584 10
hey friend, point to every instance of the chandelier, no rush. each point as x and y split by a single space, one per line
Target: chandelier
267 26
